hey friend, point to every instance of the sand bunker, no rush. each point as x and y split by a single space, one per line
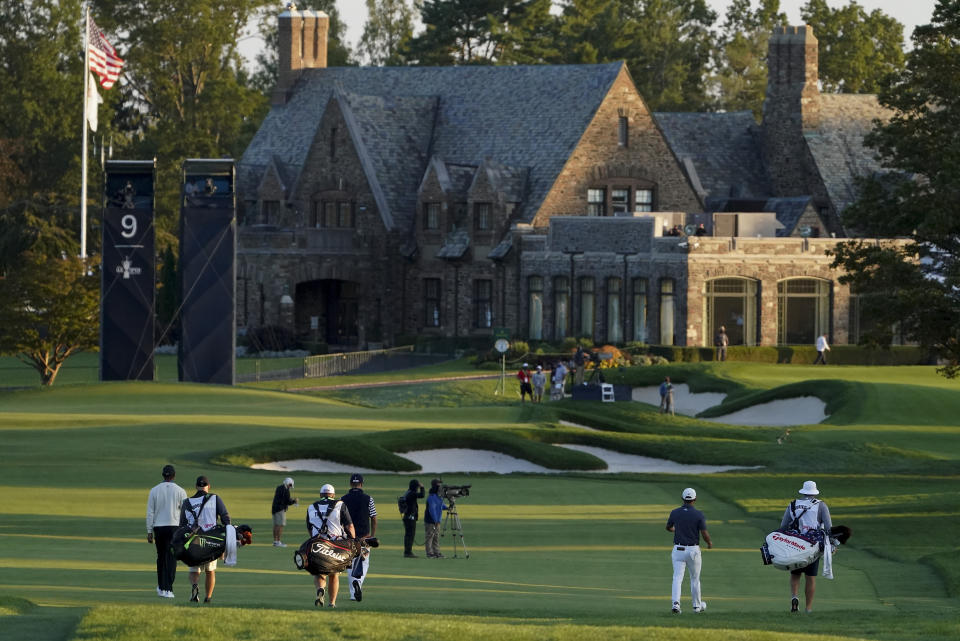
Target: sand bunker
456 460
684 401
804 410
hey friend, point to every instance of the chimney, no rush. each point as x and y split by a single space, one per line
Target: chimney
302 45
793 92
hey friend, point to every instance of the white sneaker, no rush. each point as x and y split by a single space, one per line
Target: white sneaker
159 591
167 594
676 608
279 544
701 607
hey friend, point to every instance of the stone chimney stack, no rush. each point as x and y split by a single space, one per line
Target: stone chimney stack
302 45
791 107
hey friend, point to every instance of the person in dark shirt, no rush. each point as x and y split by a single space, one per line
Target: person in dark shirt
410 516
281 501
363 513
204 512
687 524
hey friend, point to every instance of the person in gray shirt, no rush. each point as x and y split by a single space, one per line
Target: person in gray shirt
806 513
687 524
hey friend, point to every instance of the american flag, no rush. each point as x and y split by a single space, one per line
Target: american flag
104 60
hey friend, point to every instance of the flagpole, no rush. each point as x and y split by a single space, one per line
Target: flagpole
83 163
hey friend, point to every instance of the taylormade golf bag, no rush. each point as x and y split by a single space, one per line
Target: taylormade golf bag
320 556
196 547
791 550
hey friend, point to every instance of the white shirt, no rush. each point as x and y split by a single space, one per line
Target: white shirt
208 515
163 505
822 343
331 510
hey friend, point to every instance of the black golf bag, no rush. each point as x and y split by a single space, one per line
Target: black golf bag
196 547
320 556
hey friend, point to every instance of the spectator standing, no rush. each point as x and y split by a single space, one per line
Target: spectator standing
431 521
822 348
363 514
410 516
203 508
163 519
329 519
687 524
524 377
666 396
281 501
559 380
539 380
720 341
809 513
580 362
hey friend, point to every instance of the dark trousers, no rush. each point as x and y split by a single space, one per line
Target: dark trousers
821 358
166 564
409 530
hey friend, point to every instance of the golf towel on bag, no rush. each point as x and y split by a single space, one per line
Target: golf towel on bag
791 550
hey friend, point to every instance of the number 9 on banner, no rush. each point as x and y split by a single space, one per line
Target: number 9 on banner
129 225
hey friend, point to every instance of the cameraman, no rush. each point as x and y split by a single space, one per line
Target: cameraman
410 515
431 521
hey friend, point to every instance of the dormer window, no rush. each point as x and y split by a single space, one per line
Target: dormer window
481 217
620 197
431 216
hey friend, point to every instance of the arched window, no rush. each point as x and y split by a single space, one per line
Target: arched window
561 307
667 311
535 309
586 306
803 310
732 304
614 305
640 309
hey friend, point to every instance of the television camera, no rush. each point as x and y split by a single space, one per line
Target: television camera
453 492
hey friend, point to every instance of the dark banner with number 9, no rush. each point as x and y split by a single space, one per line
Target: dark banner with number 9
128 284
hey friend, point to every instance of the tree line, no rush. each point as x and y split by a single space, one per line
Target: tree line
186 91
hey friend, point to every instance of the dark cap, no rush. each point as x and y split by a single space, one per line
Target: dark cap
356 478
168 471
202 481
436 482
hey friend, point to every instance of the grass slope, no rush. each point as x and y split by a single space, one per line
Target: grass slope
551 557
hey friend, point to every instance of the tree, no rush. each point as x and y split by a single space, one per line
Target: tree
740 79
462 32
915 285
667 45
857 49
389 26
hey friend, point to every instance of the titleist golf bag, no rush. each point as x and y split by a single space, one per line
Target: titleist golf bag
195 547
320 556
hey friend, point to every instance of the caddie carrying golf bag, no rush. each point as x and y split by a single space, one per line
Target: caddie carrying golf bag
320 556
791 550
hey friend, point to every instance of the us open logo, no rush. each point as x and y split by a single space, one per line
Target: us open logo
126 269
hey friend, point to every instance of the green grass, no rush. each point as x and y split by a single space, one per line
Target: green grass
555 556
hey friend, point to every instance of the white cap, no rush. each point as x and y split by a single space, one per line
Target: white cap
526 365
327 489
689 494
288 482
809 487
540 367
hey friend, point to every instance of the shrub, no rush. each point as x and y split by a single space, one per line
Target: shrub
569 344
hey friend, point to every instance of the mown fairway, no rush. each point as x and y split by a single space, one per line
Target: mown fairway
562 556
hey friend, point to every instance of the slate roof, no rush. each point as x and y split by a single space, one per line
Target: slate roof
788 210
837 143
455 245
526 117
724 149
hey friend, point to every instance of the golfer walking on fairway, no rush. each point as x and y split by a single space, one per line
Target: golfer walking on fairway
687 524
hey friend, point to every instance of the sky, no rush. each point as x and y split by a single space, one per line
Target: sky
908 12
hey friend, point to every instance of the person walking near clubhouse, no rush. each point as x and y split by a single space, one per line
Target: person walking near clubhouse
163 519
363 514
410 515
330 519
431 521
809 513
281 501
203 508
720 341
687 524
666 396
822 348
523 375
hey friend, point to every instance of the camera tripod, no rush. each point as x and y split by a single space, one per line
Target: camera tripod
456 528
